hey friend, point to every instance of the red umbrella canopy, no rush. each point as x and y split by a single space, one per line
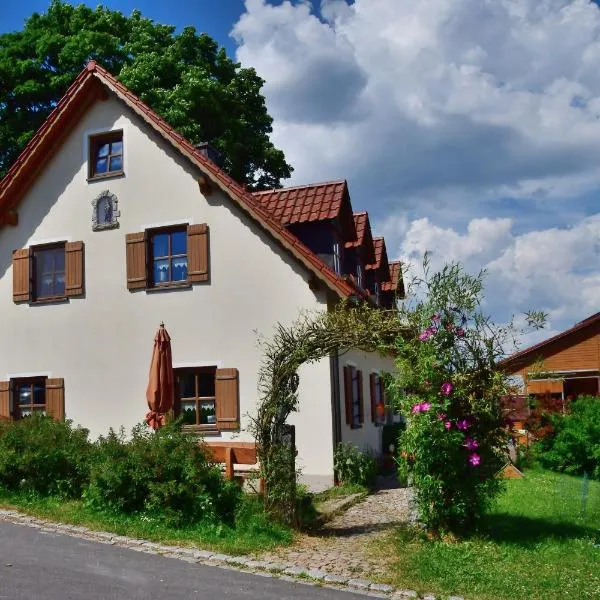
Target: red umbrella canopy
159 393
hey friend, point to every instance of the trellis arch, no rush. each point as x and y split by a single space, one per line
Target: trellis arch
312 337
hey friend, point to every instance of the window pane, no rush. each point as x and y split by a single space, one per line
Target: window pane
101 165
116 163
44 261
25 395
207 412
59 284
187 385
45 285
206 384
39 394
160 245
161 270
116 148
103 150
58 258
179 269
178 242
188 412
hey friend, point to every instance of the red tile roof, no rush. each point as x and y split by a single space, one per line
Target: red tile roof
396 282
519 358
364 238
305 203
380 254
90 85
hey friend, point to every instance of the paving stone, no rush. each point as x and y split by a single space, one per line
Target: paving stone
220 557
257 564
295 571
382 587
274 566
288 578
403 594
359 583
335 579
429 597
316 574
455 598
237 560
202 554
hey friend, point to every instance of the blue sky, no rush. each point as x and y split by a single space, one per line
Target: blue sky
469 128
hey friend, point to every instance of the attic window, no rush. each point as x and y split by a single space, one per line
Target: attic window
106 155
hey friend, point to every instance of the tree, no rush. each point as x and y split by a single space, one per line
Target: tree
185 77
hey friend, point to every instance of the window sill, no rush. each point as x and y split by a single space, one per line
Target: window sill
185 285
54 300
201 430
103 176
355 426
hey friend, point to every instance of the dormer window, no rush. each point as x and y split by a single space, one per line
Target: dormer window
337 258
376 286
359 275
106 155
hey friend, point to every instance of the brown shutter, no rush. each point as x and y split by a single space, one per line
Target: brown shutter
348 394
137 269
197 239
361 404
373 383
55 398
5 401
74 268
226 399
21 262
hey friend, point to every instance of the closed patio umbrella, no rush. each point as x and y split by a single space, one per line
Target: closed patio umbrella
159 393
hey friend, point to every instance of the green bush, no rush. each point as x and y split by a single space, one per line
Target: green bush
353 466
574 445
166 474
43 456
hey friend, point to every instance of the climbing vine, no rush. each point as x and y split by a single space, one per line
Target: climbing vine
312 337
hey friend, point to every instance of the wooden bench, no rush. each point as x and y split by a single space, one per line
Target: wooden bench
233 453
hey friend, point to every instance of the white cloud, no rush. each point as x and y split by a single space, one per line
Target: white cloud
468 125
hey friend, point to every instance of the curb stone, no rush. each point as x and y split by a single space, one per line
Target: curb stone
284 572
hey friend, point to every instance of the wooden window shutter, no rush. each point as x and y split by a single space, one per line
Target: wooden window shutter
55 398
21 262
227 399
5 414
197 240
137 261
361 406
373 384
348 394
74 268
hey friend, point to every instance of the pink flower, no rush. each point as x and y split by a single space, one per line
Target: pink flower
425 406
450 327
475 459
448 424
446 388
416 408
460 332
436 318
471 444
463 425
441 416
425 335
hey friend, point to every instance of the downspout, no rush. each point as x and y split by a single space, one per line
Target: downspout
336 420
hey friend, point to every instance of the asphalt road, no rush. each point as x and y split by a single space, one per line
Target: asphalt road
36 565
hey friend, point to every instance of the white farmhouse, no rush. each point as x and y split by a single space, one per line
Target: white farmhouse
112 222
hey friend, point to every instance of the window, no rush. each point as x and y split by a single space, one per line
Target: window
196 396
337 259
377 299
359 275
106 155
49 272
168 248
377 399
353 396
29 396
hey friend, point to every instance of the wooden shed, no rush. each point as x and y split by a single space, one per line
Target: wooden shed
562 367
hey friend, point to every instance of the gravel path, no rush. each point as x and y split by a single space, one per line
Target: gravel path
341 547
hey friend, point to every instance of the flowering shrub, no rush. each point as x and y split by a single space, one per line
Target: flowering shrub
449 391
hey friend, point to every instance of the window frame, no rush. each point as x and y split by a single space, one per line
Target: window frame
35 250
201 427
337 257
356 398
15 385
169 229
94 142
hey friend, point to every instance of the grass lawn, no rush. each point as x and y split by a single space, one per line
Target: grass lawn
253 532
535 544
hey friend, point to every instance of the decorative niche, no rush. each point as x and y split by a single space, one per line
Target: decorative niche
105 211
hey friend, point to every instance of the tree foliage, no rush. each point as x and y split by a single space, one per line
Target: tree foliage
449 390
184 77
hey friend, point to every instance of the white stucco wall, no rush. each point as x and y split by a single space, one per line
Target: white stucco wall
368 436
101 343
